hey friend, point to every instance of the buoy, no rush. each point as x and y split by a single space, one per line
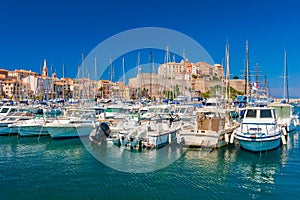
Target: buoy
284 132
226 137
283 139
231 138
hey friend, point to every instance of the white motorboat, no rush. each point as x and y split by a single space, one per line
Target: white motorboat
11 118
78 123
259 130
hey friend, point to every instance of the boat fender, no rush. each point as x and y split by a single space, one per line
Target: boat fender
283 139
232 138
226 137
284 132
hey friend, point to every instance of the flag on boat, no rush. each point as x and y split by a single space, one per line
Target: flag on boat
254 86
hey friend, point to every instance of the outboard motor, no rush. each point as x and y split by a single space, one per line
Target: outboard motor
101 133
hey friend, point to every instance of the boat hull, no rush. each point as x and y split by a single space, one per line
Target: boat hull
157 140
259 143
28 131
204 138
69 131
5 130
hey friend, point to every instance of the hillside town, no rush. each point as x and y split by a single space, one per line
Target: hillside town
171 80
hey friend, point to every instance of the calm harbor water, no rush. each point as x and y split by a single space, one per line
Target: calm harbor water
33 168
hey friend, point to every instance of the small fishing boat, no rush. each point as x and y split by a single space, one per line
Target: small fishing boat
212 129
154 133
259 129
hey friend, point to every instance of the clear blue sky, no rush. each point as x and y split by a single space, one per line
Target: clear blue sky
60 30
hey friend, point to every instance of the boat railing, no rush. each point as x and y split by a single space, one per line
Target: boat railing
259 128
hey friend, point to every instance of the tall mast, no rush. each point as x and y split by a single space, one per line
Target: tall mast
183 74
166 71
111 69
247 70
95 68
174 72
285 83
111 77
256 73
123 71
124 80
151 72
78 91
227 80
63 88
139 77
95 83
265 85
82 69
82 76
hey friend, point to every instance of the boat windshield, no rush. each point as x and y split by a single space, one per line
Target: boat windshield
114 110
211 104
4 110
251 114
265 114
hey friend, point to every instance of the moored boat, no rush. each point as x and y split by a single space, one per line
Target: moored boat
32 127
10 119
259 130
79 123
285 116
212 129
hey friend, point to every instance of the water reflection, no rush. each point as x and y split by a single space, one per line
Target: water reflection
293 139
14 146
252 174
135 160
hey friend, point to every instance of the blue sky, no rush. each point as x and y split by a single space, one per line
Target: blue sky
61 30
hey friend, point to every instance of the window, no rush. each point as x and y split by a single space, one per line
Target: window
265 114
4 110
251 114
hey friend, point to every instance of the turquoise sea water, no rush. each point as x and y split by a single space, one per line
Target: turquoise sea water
32 168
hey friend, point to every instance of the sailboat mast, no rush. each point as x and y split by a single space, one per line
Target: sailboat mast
183 74
285 83
95 79
166 70
111 77
265 85
82 76
151 72
63 88
227 71
123 70
247 70
174 72
124 80
139 77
